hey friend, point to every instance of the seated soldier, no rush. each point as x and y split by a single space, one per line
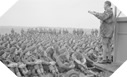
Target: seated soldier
63 62
54 70
50 52
22 68
43 63
39 68
82 62
12 66
78 58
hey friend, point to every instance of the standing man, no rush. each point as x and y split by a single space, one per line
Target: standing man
106 29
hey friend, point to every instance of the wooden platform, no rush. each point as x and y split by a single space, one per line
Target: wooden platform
108 67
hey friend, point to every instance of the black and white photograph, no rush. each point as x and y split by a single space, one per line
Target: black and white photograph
63 38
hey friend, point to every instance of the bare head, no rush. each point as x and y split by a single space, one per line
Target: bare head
107 4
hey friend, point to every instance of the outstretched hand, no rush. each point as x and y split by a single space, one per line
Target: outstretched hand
92 12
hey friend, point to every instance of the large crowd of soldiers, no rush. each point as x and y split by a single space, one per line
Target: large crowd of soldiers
39 52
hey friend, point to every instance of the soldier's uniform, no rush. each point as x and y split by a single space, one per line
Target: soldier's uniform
22 68
39 69
80 61
63 62
106 28
77 56
50 53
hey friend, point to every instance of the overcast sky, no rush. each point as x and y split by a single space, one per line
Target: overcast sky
53 13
